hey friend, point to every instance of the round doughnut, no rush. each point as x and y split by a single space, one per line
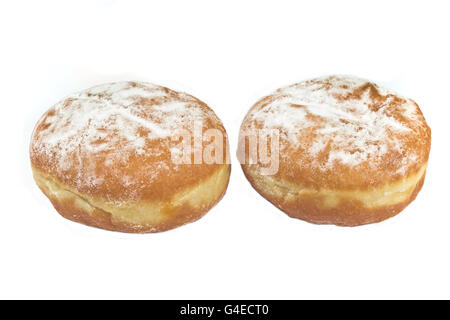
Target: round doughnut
348 152
119 157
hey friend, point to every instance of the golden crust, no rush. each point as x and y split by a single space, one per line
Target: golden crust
346 145
109 150
146 216
339 207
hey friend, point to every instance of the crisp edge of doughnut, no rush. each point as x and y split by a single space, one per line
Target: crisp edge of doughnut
338 207
142 216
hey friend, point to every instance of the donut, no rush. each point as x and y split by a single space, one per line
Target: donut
347 151
131 157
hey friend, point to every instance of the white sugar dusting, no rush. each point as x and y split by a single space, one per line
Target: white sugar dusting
352 116
123 116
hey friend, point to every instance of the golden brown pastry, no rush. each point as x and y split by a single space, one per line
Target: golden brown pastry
350 152
105 158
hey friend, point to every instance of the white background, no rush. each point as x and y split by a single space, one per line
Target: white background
229 54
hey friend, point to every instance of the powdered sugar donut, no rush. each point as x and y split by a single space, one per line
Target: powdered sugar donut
109 157
350 152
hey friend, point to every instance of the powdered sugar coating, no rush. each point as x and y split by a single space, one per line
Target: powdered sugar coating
116 137
343 122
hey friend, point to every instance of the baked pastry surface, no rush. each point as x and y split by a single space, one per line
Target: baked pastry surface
350 152
104 157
